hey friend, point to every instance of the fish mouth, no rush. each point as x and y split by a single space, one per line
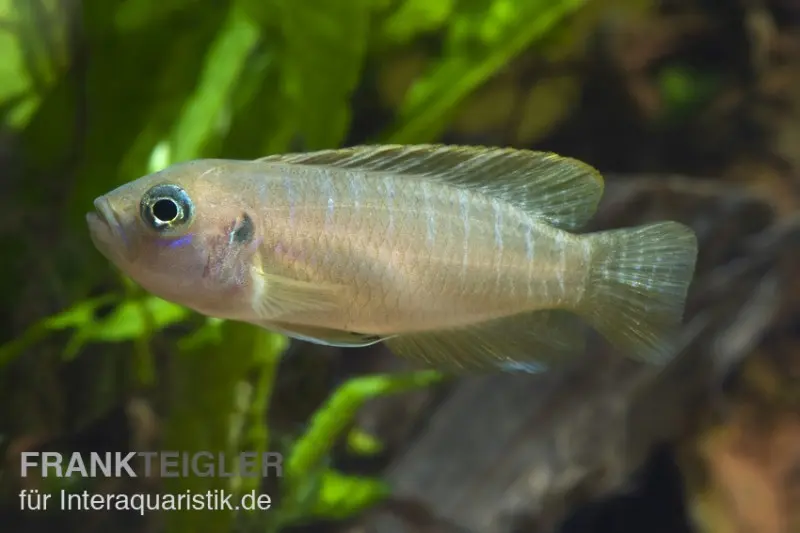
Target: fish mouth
104 226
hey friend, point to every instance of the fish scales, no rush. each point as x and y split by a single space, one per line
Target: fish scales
476 265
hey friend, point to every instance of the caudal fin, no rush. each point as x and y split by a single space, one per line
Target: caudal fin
637 286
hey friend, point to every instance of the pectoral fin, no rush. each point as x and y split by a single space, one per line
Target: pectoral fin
276 296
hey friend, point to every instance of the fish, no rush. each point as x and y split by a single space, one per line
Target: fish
460 258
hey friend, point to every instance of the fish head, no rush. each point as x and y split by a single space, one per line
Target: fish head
183 234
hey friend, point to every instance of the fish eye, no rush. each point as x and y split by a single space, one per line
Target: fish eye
166 206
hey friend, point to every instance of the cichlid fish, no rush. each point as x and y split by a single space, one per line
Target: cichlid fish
462 257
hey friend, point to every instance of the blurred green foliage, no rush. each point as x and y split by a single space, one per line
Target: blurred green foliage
685 90
100 92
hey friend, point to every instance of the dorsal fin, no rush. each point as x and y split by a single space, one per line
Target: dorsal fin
561 190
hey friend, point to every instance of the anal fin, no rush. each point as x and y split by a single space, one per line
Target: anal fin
530 342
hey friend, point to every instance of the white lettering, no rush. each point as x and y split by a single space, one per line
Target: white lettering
122 464
76 466
101 463
27 462
52 460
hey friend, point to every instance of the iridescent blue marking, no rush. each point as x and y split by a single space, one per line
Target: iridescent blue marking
182 241
528 368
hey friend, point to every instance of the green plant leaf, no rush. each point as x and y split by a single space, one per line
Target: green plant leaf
127 323
203 412
324 48
306 466
81 315
362 443
139 81
139 14
131 320
684 90
480 43
268 349
262 120
224 65
415 17
17 91
342 496
40 35
330 421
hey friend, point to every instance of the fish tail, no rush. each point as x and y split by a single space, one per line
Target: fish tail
637 286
